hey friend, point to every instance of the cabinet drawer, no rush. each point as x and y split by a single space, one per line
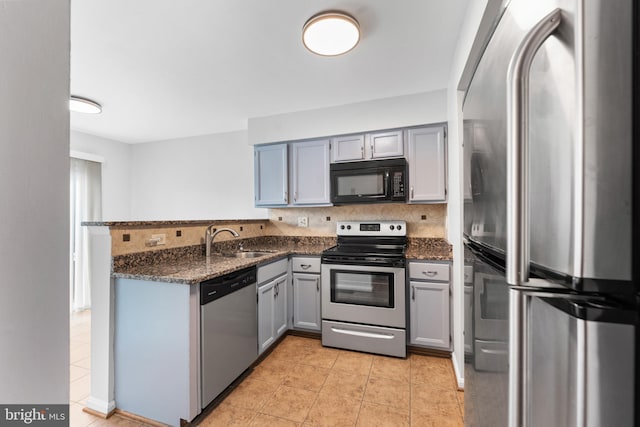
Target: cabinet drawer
429 271
272 270
305 264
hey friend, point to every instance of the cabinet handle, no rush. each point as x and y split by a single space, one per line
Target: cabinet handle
362 151
372 149
411 193
286 196
305 266
430 273
295 196
413 293
318 285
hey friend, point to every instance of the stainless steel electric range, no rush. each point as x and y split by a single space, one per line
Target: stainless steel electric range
363 288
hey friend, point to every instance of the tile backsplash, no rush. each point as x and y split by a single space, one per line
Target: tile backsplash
190 234
422 220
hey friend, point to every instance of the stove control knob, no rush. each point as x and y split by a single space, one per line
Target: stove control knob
391 227
342 227
399 227
348 227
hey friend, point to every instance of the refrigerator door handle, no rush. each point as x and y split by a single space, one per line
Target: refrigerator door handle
517 260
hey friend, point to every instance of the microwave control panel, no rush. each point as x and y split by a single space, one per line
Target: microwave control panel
398 184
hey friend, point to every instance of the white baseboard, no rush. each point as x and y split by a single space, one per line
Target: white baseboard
101 406
458 372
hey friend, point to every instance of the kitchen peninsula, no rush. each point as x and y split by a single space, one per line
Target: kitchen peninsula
143 296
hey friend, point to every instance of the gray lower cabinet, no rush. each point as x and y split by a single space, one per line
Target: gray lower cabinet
429 305
306 293
272 303
157 349
272 312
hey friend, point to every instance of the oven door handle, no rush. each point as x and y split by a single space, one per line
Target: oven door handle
362 334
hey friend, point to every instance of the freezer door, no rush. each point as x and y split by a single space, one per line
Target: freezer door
578 362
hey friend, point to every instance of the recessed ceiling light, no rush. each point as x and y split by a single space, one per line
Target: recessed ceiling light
331 33
84 105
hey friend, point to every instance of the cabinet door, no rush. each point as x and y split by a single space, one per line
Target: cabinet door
310 172
280 324
306 301
386 144
266 304
347 148
427 164
429 311
270 162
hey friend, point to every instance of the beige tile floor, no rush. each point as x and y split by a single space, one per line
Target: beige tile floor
302 383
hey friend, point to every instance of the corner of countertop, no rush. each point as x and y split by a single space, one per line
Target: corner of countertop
429 248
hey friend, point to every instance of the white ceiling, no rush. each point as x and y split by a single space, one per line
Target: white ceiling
166 69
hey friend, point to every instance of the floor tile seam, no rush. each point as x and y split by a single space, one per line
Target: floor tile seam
387 405
315 399
79 378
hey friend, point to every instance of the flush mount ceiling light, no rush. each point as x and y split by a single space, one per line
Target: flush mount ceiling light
84 105
331 33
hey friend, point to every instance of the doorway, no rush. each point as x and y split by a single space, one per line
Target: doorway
85 205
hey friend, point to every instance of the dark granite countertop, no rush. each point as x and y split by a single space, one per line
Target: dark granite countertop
161 223
192 269
190 266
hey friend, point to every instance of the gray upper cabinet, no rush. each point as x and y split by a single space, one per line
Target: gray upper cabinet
427 164
385 144
347 148
271 175
310 172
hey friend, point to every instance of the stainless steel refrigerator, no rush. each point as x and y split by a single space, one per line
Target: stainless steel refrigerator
550 218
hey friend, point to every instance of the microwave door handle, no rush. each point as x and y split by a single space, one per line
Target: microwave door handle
517 262
387 190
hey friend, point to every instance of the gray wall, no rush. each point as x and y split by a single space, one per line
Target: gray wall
34 212
116 172
202 177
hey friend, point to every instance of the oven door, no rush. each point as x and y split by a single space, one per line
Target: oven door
370 295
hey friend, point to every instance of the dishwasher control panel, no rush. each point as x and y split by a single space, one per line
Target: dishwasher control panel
218 287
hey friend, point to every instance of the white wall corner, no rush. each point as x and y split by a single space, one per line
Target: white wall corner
102 396
458 371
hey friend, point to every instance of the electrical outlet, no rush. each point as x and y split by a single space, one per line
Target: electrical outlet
303 221
162 238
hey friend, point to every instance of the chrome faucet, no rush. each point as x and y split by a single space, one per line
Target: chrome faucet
211 234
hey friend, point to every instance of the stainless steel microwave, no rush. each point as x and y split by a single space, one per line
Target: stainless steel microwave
371 181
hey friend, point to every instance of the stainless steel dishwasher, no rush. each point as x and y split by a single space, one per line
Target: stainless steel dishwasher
228 330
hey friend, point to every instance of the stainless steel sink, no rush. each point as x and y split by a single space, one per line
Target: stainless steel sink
246 254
